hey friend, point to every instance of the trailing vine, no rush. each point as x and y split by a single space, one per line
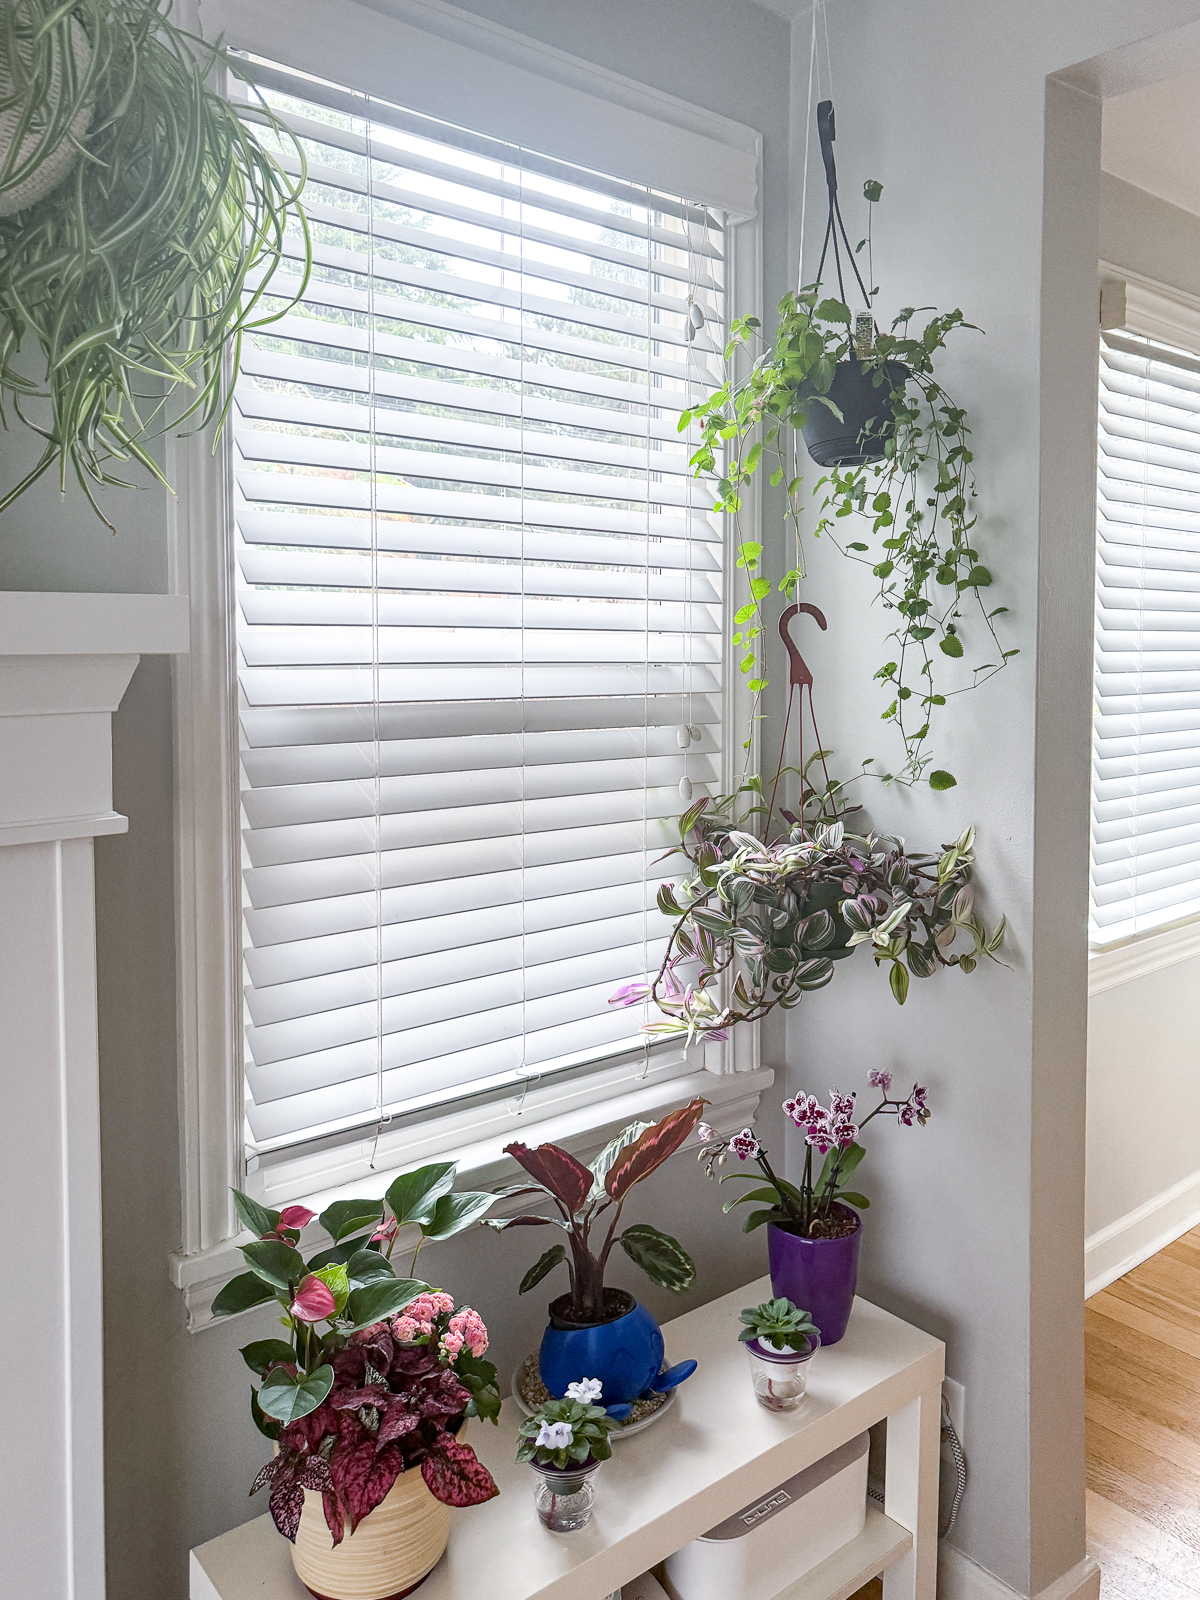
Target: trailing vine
918 501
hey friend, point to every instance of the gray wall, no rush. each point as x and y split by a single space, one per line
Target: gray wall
1142 1051
991 203
181 1450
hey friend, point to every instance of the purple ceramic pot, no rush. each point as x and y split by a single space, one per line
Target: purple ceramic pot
818 1275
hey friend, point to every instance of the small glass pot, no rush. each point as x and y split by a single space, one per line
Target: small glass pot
780 1377
564 1498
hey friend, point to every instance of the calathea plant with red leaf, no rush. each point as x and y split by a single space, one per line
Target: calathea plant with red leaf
378 1372
584 1195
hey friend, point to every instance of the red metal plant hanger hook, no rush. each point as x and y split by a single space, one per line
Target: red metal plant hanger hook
801 678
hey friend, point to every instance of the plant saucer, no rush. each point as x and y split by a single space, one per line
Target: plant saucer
624 1430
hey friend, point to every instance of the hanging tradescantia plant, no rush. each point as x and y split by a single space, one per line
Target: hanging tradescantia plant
141 221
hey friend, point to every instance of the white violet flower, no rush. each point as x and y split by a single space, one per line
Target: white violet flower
587 1391
555 1436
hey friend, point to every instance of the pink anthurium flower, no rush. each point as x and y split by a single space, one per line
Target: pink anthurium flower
314 1301
295 1216
386 1231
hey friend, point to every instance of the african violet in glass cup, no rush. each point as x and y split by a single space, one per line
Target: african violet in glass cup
565 1441
780 1340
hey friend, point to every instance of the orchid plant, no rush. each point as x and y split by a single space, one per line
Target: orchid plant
763 923
571 1432
816 1207
583 1195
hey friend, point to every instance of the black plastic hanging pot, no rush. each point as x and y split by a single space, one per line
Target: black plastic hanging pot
861 393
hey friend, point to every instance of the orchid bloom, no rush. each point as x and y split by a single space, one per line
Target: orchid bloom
314 1301
587 1391
744 1145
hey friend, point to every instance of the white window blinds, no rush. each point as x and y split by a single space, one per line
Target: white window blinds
1146 768
478 615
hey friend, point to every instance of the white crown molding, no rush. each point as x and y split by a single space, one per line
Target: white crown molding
1137 304
1149 952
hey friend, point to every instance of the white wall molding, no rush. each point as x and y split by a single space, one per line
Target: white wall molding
1148 953
960 1579
1124 1244
65 663
733 1098
1131 301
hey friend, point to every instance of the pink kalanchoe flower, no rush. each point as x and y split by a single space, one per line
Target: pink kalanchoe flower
880 1080
450 1345
295 1217
314 1301
386 1231
744 1145
406 1330
467 1326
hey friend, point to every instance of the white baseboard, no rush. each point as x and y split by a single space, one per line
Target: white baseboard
960 1579
1113 1251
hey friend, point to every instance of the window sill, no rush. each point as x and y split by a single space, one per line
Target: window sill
1143 954
734 1098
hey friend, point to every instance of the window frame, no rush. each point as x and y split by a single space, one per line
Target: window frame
1149 309
581 1111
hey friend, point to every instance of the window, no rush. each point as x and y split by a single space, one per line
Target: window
1146 768
478 617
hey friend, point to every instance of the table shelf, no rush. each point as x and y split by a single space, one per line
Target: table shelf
715 1451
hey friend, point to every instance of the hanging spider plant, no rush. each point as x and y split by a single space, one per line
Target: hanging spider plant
149 259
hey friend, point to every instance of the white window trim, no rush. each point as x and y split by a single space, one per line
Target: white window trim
582 1111
1132 301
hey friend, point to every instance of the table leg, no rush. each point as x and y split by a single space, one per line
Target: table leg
911 1495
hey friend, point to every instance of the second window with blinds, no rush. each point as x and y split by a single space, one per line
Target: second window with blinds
478 618
1146 767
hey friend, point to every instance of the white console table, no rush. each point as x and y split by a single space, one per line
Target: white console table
713 1453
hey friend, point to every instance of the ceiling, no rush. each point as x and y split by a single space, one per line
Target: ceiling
1152 139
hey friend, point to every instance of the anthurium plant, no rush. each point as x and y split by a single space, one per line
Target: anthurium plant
583 1196
377 1372
816 1207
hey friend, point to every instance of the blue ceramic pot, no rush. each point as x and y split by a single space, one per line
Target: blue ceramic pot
625 1353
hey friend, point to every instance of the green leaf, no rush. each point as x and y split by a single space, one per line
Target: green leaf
275 1263
765 1192
544 1264
345 1217
853 1199
289 1398
414 1195
368 1266
872 190
338 1253
253 1216
757 1218
662 1258
240 1293
978 577
337 1281
942 780
833 311
898 978
454 1212
951 646
374 1301
263 1352
266 1425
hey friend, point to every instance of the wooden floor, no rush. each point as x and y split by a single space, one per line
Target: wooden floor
1143 1428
